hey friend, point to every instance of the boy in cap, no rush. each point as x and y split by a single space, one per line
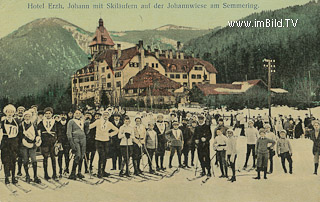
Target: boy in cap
176 139
192 139
272 136
104 131
140 135
202 141
187 141
221 127
151 142
220 145
19 119
160 128
30 142
252 135
262 153
9 129
90 144
63 140
284 150
48 132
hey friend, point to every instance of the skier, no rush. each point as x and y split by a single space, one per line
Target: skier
221 127
48 131
202 140
19 119
160 128
63 141
90 143
140 134
220 145
176 139
126 136
315 137
192 144
30 142
77 129
104 130
252 135
9 130
116 120
231 152
187 140
284 150
262 153
151 143
270 135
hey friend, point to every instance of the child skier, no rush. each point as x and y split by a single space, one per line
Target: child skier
284 150
9 129
151 143
30 141
140 134
126 136
63 140
220 144
176 139
272 136
231 151
262 153
160 128
252 135
48 131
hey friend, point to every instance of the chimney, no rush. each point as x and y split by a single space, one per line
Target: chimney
140 44
156 51
141 58
170 54
166 53
119 50
178 45
181 55
149 49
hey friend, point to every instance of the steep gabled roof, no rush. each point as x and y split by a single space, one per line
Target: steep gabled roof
219 89
101 36
149 77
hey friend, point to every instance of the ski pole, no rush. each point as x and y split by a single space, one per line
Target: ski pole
127 156
195 173
86 160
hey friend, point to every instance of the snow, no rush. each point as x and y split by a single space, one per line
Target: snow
302 185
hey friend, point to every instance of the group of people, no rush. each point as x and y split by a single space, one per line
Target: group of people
110 133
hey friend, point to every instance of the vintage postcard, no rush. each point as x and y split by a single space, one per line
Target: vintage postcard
168 100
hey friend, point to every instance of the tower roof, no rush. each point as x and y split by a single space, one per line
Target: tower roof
101 36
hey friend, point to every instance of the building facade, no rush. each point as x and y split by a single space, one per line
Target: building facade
110 68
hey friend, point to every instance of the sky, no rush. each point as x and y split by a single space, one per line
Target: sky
15 13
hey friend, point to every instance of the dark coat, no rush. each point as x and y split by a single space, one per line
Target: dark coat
203 131
161 138
316 142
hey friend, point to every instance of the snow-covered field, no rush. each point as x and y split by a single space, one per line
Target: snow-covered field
302 185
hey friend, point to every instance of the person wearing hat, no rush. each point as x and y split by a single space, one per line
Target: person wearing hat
192 144
90 144
270 135
104 131
64 142
251 134
187 141
140 135
115 151
30 142
284 150
315 137
221 127
160 128
9 128
48 131
220 145
151 143
34 110
202 140
19 119
176 140
279 125
258 124
262 152
231 151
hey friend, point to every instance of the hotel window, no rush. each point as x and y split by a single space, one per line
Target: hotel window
177 76
117 74
185 76
118 84
107 67
109 76
193 76
152 65
193 84
91 78
103 70
80 80
171 76
199 76
126 91
109 85
157 65
131 64
74 80
135 90
103 80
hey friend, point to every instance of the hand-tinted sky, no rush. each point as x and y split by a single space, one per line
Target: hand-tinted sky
14 13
